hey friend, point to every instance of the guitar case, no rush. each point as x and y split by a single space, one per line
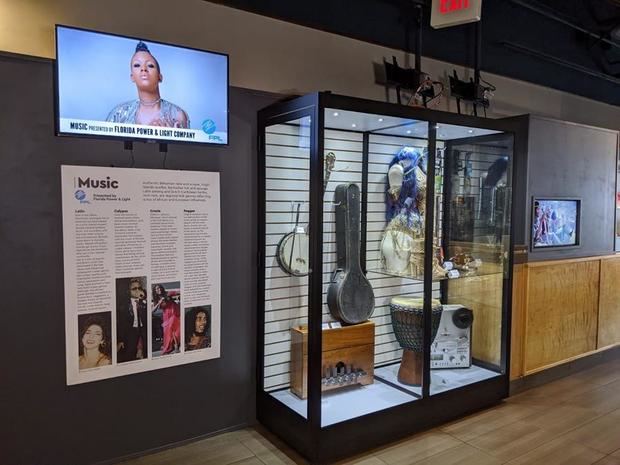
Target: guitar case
350 297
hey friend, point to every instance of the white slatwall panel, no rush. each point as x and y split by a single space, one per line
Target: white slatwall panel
287 182
287 165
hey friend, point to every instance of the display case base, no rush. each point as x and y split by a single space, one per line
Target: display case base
331 442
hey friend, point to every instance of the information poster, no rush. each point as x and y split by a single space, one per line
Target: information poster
142 269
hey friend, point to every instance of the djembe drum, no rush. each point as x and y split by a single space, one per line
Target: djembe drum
408 323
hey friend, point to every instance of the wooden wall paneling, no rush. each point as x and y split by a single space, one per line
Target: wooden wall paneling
483 295
519 312
562 311
609 303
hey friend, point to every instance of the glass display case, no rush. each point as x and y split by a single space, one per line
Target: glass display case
384 276
617 241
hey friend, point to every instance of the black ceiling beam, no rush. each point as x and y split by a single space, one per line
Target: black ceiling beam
559 61
566 22
390 23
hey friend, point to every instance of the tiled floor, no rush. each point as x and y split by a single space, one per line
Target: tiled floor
572 421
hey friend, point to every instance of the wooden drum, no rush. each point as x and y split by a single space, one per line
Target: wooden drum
408 323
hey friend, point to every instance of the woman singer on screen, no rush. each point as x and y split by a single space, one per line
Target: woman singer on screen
150 109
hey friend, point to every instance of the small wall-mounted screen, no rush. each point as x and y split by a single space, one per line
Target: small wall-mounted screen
555 222
133 89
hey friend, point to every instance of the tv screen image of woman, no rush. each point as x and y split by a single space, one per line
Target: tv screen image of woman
166 318
94 340
149 109
197 327
138 89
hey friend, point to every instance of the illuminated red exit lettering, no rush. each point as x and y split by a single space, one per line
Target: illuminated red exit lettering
449 6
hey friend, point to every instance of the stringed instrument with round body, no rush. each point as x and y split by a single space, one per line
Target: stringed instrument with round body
350 297
292 250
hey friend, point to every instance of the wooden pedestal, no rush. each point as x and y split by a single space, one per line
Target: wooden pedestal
352 346
410 371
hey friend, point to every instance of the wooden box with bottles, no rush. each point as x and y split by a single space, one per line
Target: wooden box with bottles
348 357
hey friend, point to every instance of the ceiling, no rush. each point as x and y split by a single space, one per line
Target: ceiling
569 45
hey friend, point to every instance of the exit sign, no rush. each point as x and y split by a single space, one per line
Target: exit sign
446 13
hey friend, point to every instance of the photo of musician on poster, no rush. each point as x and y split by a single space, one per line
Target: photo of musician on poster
197 327
131 322
166 318
94 340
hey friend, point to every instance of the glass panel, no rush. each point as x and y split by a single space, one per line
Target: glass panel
402 251
618 206
287 168
362 203
472 206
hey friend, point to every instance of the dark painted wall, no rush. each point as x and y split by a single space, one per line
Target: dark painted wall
391 23
45 422
570 160
519 186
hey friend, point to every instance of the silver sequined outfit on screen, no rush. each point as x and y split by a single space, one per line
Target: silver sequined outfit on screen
126 113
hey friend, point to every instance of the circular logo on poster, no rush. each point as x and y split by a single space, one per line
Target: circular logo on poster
80 195
208 126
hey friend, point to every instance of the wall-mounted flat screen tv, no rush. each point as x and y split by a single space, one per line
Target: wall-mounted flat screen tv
555 222
136 89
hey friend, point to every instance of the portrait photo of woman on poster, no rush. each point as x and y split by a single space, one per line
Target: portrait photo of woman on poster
166 318
94 340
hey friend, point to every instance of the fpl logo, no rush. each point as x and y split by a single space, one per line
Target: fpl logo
209 127
450 6
80 195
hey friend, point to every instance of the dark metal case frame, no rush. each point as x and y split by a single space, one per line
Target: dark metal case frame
323 444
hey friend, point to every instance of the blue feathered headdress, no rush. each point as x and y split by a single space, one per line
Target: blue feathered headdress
409 158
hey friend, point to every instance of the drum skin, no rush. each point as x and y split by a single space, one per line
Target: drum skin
408 321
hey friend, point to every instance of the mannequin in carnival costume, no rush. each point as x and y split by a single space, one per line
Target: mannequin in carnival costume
406 185
402 244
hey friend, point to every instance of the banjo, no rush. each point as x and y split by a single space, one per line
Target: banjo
350 297
292 250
